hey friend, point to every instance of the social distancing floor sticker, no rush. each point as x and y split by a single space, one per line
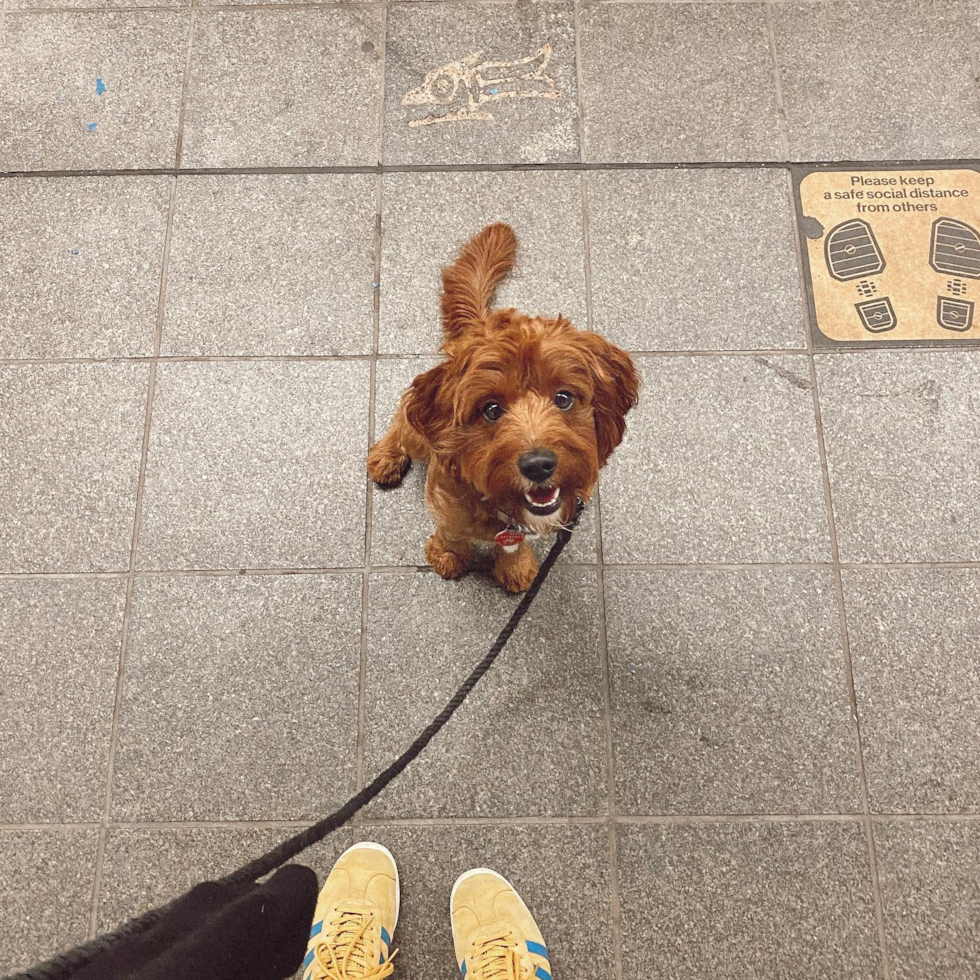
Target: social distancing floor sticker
892 256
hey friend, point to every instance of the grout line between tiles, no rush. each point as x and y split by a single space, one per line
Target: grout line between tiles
621 820
782 120
185 90
318 358
382 70
587 250
368 506
615 904
579 81
426 570
473 168
131 574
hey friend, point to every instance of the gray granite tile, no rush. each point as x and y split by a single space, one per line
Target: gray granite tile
297 277
729 693
71 437
546 212
659 83
59 645
284 88
256 465
719 464
914 638
694 260
56 114
46 892
400 522
491 760
877 79
228 681
80 265
450 60
145 867
747 901
561 872
904 460
930 885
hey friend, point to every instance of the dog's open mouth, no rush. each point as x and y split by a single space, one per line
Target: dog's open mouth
543 500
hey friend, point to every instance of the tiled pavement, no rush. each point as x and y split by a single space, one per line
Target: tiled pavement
739 735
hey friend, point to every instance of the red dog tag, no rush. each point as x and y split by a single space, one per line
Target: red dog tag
509 538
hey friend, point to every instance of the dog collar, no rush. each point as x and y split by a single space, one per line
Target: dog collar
512 535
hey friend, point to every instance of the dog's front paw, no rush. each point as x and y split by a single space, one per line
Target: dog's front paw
516 571
449 564
387 467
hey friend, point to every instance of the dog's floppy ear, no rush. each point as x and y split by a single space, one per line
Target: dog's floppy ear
617 388
427 403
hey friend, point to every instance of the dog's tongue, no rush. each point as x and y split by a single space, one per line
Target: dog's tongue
542 495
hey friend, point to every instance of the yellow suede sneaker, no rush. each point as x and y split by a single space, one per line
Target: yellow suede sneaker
495 935
355 918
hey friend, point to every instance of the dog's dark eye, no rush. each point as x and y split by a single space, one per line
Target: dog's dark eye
564 400
492 411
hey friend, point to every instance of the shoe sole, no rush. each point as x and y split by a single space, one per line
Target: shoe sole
493 874
371 846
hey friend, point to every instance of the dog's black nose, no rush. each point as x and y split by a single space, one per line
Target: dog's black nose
537 464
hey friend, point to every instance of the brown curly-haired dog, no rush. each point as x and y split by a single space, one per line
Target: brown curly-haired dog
515 423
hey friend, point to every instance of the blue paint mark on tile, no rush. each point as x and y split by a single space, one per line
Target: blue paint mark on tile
99 86
493 91
74 251
61 96
91 127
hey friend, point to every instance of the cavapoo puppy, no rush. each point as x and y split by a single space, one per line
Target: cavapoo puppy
515 423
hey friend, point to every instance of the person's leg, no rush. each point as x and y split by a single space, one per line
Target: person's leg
494 933
355 918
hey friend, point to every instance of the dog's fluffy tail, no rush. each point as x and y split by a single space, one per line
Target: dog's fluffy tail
468 284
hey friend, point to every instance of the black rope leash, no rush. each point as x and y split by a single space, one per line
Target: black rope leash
61 967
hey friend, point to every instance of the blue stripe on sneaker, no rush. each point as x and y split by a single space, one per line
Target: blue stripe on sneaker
309 959
536 948
462 968
542 974
317 927
385 938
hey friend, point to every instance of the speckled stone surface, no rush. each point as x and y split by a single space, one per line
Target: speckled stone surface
146 866
678 82
424 635
719 464
284 88
54 116
559 871
71 437
80 265
914 641
729 693
280 264
256 465
735 901
46 892
400 522
930 884
545 210
903 449
694 260
877 80
525 128
59 646
228 683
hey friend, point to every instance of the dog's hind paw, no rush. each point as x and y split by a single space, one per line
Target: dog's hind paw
385 467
